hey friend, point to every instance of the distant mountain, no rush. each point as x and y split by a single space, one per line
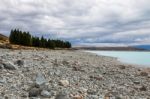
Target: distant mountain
146 47
110 48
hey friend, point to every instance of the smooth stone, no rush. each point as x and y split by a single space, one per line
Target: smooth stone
83 90
10 66
64 82
1 66
40 79
136 82
57 72
94 97
13 97
91 91
34 98
101 97
122 67
1 97
2 80
144 73
62 95
45 93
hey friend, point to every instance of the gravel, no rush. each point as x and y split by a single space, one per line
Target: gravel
64 74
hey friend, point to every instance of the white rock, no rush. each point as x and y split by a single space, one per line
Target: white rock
45 93
64 82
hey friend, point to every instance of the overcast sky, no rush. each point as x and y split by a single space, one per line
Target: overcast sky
83 22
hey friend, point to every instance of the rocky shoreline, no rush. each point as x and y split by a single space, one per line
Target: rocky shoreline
63 74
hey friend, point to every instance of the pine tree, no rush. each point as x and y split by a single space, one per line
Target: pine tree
11 37
50 44
25 38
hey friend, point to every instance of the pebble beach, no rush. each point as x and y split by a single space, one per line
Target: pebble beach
69 74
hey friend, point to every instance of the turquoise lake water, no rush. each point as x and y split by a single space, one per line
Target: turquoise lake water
131 57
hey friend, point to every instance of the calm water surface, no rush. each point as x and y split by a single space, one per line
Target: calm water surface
132 57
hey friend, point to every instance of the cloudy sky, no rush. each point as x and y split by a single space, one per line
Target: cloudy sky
83 22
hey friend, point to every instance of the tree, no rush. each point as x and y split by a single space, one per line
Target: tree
25 38
50 44
11 37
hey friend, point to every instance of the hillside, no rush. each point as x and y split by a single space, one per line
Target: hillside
3 37
4 41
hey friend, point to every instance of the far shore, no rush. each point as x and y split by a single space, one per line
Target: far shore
110 48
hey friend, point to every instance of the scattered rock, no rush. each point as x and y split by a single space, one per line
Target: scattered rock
19 62
56 63
92 91
75 68
64 83
40 79
65 62
35 98
96 80
94 97
122 67
143 88
57 72
117 97
136 82
100 77
10 66
3 80
34 92
143 73
77 97
24 94
83 90
45 93
62 95
6 97
1 66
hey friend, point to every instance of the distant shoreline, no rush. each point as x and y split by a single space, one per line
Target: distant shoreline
110 48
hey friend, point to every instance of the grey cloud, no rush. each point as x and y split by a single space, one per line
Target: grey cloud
80 21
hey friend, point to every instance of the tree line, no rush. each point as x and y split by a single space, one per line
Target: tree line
24 38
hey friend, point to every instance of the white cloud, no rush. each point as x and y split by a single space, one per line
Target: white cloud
100 21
